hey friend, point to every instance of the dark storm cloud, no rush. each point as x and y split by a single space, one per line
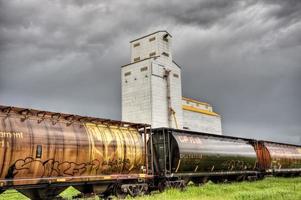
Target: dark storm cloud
289 10
203 13
241 56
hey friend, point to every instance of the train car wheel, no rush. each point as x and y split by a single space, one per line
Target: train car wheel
204 180
260 177
199 180
216 180
240 178
182 186
118 192
162 186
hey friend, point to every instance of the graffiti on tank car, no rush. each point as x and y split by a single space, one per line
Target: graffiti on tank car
119 148
113 165
51 167
236 165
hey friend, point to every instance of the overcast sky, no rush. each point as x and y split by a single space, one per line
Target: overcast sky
243 57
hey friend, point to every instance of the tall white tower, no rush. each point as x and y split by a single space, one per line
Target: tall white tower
151 83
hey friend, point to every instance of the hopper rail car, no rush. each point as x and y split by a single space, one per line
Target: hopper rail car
42 153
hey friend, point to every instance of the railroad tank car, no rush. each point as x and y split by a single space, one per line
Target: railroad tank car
188 155
41 153
278 158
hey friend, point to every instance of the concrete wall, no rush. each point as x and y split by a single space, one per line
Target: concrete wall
143 47
144 99
144 93
135 88
159 94
201 122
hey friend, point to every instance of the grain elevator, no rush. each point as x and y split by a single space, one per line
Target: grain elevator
152 90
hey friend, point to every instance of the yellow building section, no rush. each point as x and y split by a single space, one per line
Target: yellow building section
198 110
195 101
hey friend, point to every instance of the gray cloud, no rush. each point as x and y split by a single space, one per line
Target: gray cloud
204 13
289 11
241 56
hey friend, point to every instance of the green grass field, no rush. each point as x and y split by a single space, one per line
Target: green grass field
269 188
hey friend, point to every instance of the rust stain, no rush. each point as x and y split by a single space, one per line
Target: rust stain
67 149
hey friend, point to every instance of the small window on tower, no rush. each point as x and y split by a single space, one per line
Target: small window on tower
152 39
165 54
176 75
137 44
127 74
136 59
152 54
143 69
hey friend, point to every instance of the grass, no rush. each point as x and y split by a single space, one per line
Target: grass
267 189
270 188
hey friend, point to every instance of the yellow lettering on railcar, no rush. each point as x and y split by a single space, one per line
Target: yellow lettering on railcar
4 143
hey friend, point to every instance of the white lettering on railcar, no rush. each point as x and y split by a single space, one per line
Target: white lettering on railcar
4 134
5 138
189 139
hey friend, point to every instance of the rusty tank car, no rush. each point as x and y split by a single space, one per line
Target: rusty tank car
41 153
278 159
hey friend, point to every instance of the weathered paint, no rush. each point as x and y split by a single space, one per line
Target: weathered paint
283 156
263 156
35 149
198 153
184 152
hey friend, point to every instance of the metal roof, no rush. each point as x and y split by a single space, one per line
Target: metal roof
223 136
26 113
195 101
150 35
